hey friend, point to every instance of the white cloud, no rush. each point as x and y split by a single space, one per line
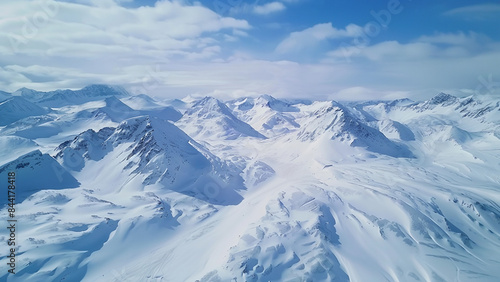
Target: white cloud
265 9
437 46
383 51
269 8
61 28
480 12
359 93
73 44
300 40
172 50
470 40
388 78
435 63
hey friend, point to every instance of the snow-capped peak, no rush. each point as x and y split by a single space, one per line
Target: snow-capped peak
59 98
100 90
275 104
210 118
443 99
16 108
209 107
155 152
27 93
337 123
42 167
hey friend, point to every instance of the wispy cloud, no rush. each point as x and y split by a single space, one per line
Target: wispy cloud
459 38
269 8
439 61
255 8
436 46
482 12
300 40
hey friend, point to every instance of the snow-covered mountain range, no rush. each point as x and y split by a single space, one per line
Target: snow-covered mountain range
115 187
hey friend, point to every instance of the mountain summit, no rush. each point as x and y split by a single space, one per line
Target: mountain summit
16 108
154 151
209 118
59 98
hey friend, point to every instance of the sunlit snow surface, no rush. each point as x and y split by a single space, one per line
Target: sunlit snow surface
121 188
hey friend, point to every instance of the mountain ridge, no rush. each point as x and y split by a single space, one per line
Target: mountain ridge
192 190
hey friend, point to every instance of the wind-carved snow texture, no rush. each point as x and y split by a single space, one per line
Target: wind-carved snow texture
114 187
295 238
257 173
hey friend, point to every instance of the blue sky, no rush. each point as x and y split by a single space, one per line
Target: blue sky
325 49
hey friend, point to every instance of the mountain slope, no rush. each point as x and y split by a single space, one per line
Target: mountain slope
371 191
16 108
60 98
36 171
115 110
210 118
141 102
4 96
395 130
335 122
156 152
268 115
72 119
14 146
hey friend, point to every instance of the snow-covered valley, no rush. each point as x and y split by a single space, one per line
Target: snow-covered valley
114 187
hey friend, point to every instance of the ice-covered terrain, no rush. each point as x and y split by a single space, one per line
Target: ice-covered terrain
114 187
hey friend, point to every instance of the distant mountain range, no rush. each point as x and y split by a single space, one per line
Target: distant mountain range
116 187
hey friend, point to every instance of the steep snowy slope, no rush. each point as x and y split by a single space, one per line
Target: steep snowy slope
451 130
29 94
167 113
71 120
141 102
68 121
210 118
13 147
122 170
417 219
36 171
266 114
156 152
115 110
180 105
25 126
4 95
151 107
16 108
335 122
358 224
476 112
395 130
